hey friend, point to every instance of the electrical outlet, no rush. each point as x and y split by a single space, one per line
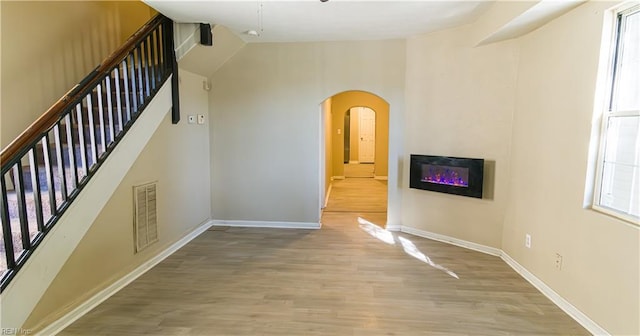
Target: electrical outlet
558 261
527 240
191 119
200 119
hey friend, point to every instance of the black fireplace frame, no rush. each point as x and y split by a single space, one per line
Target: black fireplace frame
476 173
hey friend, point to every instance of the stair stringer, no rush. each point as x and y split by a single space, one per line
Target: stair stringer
25 290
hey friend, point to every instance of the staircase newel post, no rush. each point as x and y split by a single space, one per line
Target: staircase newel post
173 66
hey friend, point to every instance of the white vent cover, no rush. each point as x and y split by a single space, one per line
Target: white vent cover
145 218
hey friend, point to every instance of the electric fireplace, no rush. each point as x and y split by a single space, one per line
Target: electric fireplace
451 175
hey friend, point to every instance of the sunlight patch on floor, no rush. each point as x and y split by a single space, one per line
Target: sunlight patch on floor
408 246
411 249
376 231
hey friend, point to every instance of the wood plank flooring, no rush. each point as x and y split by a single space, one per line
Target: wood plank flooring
358 169
357 195
349 278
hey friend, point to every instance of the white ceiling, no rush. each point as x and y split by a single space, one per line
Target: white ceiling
334 20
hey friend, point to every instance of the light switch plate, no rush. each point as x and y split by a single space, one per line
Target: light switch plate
200 119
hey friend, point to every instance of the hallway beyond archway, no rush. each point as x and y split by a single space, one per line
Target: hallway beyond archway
359 195
351 182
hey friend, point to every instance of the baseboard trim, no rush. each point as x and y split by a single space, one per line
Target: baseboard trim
381 178
338 177
326 199
103 295
36 275
267 224
63 322
552 295
453 241
394 228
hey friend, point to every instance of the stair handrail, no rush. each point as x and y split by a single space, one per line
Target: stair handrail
51 116
137 70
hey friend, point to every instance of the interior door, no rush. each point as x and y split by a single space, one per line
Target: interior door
367 133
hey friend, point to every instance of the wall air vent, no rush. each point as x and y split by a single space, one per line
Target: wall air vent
145 215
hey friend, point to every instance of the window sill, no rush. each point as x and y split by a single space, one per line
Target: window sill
634 221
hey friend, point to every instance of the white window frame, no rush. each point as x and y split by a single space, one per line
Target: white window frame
607 112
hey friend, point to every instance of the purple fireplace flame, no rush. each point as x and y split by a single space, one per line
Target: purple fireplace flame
447 175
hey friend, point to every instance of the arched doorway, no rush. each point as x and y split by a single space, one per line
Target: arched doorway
354 153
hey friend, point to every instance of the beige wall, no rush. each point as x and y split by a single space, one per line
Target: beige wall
527 105
460 101
340 104
182 172
48 46
524 104
206 60
557 76
10 186
265 105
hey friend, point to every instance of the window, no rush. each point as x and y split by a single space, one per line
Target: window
618 175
